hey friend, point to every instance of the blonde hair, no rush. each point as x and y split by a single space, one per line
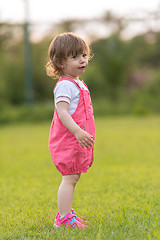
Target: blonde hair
61 47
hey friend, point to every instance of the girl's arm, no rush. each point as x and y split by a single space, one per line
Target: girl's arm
83 137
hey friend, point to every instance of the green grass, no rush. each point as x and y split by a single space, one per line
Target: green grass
120 195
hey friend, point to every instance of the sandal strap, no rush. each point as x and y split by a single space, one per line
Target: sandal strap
71 221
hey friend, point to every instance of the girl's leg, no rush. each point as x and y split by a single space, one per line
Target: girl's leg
65 193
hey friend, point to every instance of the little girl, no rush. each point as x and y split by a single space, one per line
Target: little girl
72 132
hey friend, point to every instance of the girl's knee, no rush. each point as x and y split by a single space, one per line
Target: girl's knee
73 179
77 177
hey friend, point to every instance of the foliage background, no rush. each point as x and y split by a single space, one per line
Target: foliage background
123 76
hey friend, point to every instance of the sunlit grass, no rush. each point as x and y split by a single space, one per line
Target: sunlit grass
120 195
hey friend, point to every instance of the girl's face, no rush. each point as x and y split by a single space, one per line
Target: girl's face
75 66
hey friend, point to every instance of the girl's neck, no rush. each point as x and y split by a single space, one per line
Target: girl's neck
74 78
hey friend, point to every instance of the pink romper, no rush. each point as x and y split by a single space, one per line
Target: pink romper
67 154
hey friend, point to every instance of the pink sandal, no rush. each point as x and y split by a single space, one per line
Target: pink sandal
70 220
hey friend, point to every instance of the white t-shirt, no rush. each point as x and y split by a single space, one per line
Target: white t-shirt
69 92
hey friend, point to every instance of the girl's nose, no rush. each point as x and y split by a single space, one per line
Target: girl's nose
81 59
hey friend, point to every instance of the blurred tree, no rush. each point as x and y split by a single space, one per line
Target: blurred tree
43 85
112 58
11 64
117 24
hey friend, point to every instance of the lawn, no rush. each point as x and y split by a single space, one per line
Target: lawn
120 194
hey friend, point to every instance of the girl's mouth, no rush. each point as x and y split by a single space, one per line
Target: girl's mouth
83 67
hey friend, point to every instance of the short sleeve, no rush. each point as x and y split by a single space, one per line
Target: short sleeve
69 92
66 89
62 99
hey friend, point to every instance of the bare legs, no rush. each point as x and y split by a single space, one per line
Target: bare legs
65 193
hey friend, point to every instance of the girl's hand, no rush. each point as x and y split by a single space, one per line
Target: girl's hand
84 138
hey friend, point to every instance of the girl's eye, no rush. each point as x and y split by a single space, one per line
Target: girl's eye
75 57
84 55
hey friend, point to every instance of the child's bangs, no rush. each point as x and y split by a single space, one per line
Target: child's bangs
78 47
